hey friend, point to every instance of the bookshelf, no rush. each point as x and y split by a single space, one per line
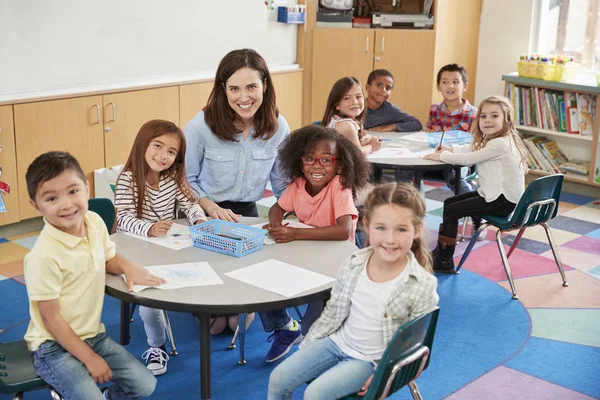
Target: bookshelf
541 122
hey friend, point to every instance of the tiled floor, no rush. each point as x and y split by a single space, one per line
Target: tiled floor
563 319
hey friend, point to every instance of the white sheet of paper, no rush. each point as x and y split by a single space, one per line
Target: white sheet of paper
420 137
391 152
177 238
279 277
182 275
292 224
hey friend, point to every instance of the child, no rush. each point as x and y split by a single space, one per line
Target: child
326 171
151 181
383 116
345 112
379 288
501 164
65 276
454 113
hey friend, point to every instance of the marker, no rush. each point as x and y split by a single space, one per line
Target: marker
385 140
442 139
286 224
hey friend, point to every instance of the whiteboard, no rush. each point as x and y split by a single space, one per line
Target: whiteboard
49 44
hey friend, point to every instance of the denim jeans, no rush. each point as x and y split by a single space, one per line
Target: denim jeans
71 379
335 374
154 325
274 320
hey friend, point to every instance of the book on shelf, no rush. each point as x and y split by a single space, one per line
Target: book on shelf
579 167
546 155
566 112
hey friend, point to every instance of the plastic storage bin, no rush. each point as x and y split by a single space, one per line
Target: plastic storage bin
291 15
547 72
450 138
227 237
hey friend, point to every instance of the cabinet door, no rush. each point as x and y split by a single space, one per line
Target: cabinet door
408 55
8 164
338 53
288 90
192 99
73 125
125 113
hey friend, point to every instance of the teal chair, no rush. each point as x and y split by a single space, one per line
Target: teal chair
538 205
17 374
106 210
405 358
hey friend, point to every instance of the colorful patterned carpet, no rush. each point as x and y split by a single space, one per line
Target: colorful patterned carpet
546 345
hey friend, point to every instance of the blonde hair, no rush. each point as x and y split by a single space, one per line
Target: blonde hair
508 128
406 196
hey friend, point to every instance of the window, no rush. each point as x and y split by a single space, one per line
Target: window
570 28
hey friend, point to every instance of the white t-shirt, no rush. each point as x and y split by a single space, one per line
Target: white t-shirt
361 335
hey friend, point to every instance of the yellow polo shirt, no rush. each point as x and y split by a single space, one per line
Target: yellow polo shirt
72 270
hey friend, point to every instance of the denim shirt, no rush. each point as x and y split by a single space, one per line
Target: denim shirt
232 171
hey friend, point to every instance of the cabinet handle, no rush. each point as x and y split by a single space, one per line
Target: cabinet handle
382 43
114 114
97 115
367 48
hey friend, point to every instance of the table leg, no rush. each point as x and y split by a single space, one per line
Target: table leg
418 178
457 180
205 356
377 172
124 323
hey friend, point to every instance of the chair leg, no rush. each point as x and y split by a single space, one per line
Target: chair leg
414 390
235 335
300 316
555 253
132 310
470 246
505 263
18 396
242 329
516 241
170 333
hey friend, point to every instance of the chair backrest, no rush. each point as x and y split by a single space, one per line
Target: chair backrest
406 356
539 202
105 209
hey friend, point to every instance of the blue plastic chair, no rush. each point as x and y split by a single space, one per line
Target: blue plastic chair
537 206
405 358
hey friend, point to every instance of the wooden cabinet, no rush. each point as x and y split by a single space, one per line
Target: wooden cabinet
288 90
125 113
192 99
73 125
8 163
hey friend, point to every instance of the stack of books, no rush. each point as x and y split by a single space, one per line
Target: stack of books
545 155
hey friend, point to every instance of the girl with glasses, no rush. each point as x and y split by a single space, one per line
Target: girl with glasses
326 171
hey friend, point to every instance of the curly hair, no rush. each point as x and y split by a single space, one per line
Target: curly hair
355 170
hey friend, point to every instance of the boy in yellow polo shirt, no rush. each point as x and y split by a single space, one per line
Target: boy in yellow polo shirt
65 277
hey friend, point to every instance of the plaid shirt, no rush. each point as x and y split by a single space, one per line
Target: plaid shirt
460 120
414 296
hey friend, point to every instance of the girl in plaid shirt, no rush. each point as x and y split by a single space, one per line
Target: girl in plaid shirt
379 288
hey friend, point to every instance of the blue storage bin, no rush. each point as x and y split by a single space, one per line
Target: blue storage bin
450 138
227 237
291 17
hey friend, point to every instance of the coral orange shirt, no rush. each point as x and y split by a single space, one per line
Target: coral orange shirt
322 210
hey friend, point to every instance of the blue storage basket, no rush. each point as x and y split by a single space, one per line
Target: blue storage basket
227 237
450 138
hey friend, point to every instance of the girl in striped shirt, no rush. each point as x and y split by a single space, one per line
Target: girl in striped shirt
152 180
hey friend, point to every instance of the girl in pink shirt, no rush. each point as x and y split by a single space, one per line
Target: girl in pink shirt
326 170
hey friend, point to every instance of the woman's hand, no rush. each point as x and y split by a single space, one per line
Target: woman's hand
432 156
160 228
223 213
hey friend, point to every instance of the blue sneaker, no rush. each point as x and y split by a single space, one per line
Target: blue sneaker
283 340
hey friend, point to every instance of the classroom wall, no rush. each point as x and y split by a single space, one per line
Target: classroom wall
61 43
504 35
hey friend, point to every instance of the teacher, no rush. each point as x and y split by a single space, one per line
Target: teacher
232 153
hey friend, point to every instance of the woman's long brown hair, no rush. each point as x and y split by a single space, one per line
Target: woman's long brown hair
137 165
219 115
406 196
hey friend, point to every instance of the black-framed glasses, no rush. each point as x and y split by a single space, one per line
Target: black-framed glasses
325 161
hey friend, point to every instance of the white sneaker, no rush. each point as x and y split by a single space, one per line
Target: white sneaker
482 235
156 359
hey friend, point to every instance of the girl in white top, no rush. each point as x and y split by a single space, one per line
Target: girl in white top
378 289
152 180
345 112
498 152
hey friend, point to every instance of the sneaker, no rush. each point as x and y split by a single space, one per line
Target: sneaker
105 393
283 340
482 235
156 359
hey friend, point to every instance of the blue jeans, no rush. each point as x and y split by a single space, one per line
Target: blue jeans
335 374
154 325
71 379
274 320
